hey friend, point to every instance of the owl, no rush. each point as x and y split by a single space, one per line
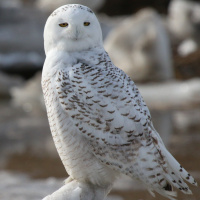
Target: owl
99 121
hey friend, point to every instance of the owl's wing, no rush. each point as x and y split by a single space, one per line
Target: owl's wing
108 110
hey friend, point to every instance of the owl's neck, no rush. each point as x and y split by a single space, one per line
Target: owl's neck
55 58
87 54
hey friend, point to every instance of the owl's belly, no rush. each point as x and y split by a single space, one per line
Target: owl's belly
74 150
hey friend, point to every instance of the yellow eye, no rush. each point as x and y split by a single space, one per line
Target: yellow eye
86 23
63 24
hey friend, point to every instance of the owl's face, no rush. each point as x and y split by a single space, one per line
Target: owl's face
72 28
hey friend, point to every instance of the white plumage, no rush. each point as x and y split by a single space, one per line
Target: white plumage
100 124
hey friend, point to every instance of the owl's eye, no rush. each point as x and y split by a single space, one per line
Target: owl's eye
86 23
63 24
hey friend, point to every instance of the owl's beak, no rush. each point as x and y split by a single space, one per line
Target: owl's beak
76 34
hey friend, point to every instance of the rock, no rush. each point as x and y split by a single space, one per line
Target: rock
165 98
140 47
187 120
173 95
109 23
184 22
184 19
50 6
7 83
30 96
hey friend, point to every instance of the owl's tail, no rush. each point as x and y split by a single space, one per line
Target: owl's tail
178 171
160 171
174 175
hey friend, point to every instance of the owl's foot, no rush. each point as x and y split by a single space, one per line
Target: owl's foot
68 180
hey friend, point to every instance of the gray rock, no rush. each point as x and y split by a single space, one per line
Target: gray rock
187 120
109 23
29 96
184 20
174 95
140 47
7 83
166 99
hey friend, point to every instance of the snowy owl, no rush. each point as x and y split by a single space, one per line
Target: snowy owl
100 124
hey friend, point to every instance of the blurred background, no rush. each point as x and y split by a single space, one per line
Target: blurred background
157 43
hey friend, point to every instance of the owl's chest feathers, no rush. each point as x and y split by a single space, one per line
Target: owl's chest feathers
73 149
67 141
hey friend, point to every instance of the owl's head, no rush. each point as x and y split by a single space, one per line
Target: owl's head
72 27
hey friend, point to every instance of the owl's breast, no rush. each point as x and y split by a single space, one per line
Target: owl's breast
73 149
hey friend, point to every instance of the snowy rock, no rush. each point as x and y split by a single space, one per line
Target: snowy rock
164 98
174 95
50 6
108 23
140 47
30 96
184 20
7 83
187 120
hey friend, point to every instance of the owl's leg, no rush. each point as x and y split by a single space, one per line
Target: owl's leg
68 180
